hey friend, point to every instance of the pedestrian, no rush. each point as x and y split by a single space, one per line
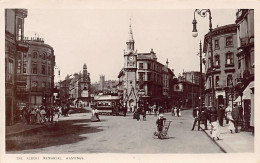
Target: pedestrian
27 114
213 121
196 119
215 130
96 114
67 109
221 114
178 111
32 116
230 123
155 110
235 116
175 111
125 109
144 114
161 110
43 113
159 123
172 110
51 114
194 112
138 114
203 118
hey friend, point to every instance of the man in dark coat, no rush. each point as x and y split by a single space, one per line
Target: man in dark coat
203 118
235 116
196 119
221 114
125 109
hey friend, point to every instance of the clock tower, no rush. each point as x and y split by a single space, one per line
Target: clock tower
130 67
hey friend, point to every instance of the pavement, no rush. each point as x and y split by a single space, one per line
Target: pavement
242 142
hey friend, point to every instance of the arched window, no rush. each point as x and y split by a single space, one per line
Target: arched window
35 55
44 56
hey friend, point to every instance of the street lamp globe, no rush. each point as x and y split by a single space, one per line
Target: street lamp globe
194 34
194 30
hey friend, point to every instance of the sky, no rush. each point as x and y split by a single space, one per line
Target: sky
98 37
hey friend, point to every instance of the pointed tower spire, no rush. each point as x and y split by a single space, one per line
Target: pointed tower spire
84 66
130 42
167 62
130 33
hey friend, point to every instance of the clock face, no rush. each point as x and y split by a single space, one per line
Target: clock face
131 58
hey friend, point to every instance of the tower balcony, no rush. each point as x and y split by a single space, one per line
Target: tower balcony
22 46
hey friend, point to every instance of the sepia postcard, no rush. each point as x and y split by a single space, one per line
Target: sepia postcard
129 81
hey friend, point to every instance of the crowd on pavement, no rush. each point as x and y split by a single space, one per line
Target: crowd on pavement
216 119
41 114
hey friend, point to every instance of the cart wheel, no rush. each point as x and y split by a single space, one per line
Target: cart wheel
160 136
155 135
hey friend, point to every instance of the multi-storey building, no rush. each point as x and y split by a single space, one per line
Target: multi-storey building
225 65
38 67
79 87
186 90
246 62
142 76
192 76
15 46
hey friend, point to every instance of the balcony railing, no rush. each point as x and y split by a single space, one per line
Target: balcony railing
21 90
21 78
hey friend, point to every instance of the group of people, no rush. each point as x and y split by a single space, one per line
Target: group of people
176 111
41 114
216 118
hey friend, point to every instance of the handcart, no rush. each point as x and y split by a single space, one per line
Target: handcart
164 133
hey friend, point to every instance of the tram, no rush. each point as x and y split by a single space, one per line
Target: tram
108 104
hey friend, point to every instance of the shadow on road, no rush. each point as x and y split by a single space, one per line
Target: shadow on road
79 110
63 132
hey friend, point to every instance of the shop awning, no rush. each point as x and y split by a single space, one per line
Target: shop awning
238 99
247 92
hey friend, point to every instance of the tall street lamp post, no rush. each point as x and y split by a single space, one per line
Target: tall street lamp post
200 77
203 13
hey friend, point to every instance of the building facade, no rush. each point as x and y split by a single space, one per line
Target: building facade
246 63
225 65
80 88
15 46
186 90
142 77
37 65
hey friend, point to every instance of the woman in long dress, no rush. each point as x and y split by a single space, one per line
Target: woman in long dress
231 126
38 116
215 130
